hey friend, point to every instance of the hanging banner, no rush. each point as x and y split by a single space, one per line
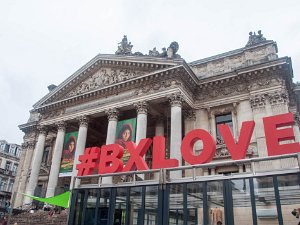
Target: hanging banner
125 132
67 161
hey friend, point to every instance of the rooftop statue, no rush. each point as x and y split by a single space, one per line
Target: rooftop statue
255 39
124 47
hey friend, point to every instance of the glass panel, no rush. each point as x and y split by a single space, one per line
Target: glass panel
265 201
135 205
151 205
176 204
78 207
289 191
241 198
104 204
90 209
195 203
215 202
120 206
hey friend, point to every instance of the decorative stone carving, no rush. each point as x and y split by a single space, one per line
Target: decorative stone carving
52 114
156 86
297 119
257 101
83 121
255 39
30 135
124 47
222 151
28 145
112 114
61 126
176 100
104 77
189 114
141 107
170 52
42 130
264 83
154 52
277 98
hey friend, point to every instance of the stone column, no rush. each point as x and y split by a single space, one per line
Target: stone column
159 131
141 124
80 146
176 131
112 116
36 164
55 165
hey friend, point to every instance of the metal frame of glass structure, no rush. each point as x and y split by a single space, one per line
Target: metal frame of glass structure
258 198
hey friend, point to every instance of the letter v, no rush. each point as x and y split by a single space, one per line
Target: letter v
237 150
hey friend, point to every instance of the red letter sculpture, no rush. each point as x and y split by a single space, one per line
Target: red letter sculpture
274 135
110 159
159 154
209 147
237 150
88 161
136 161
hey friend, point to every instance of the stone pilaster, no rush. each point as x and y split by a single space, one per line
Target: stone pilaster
176 131
80 146
36 164
56 159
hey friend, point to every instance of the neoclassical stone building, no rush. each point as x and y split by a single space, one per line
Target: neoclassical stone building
166 95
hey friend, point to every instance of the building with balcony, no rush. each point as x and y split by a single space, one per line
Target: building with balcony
9 161
130 96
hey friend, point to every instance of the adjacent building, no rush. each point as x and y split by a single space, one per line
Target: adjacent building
9 161
130 96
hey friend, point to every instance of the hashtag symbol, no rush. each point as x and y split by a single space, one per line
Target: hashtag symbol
88 161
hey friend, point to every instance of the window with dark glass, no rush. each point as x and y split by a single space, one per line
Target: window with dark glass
223 119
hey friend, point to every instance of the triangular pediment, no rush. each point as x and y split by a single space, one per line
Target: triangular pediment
105 70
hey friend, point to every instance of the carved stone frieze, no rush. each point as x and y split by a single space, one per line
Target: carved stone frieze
29 135
104 77
258 101
215 92
176 99
112 114
141 107
83 121
52 114
189 114
222 151
264 82
151 88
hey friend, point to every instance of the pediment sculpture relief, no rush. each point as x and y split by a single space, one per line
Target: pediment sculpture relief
104 77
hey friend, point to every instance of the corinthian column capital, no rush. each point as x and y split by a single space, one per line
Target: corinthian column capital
141 107
112 114
83 121
42 129
176 99
61 125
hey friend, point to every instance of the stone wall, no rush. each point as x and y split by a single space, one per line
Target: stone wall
40 217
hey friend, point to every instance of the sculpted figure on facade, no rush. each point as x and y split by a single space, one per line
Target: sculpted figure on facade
255 39
124 47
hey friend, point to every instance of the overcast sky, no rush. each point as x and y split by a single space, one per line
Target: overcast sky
44 42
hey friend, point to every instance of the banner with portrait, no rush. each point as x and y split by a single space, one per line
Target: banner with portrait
68 155
125 132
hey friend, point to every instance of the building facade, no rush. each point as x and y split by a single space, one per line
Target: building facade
9 161
156 94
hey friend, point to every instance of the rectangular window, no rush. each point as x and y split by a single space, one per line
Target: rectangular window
223 119
8 165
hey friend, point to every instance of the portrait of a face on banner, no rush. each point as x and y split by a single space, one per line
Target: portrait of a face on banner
68 155
125 132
